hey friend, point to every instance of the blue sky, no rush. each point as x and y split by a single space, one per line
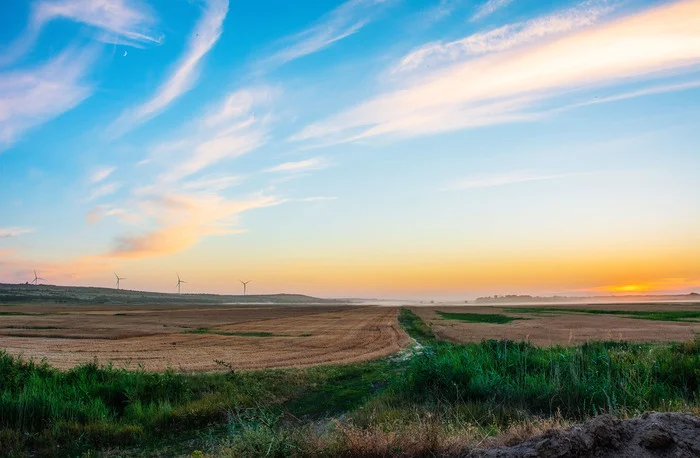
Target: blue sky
387 148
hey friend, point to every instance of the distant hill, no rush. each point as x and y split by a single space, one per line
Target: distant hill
526 298
88 295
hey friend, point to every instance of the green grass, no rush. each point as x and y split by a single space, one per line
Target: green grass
492 318
666 315
415 327
582 380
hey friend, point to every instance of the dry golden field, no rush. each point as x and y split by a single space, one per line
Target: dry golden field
567 328
193 338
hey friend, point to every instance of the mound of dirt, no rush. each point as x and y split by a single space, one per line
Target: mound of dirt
651 435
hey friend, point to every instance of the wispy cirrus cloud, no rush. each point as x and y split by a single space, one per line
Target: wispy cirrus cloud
104 190
184 75
488 8
512 85
315 163
212 183
509 178
131 22
505 37
100 174
342 22
225 131
7 232
32 97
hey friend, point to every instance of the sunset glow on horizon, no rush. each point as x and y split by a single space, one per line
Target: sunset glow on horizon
368 148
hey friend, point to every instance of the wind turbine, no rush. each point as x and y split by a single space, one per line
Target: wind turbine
118 279
178 283
245 286
36 279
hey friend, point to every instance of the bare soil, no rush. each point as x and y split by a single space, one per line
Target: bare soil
651 435
192 338
562 328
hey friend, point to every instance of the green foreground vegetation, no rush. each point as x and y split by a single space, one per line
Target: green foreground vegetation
439 396
492 318
687 316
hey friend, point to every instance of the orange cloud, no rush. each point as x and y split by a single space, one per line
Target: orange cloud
184 220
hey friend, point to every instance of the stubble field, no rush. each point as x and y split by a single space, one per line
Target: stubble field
194 338
570 324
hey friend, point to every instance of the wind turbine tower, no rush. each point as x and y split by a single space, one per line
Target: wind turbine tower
179 281
36 279
118 279
245 286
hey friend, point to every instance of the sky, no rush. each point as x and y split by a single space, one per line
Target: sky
425 149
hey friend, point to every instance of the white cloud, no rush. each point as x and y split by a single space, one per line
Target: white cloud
651 90
32 97
505 37
106 189
202 39
342 22
101 173
490 7
129 21
7 232
239 104
503 179
511 86
212 183
316 199
233 142
315 163
228 130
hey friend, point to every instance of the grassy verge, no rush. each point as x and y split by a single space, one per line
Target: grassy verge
415 327
445 398
492 318
691 316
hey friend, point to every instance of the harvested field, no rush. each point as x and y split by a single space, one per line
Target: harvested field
193 338
565 324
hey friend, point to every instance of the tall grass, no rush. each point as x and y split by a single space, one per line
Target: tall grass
576 381
614 377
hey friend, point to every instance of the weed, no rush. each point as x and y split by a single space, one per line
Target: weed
686 316
479 317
